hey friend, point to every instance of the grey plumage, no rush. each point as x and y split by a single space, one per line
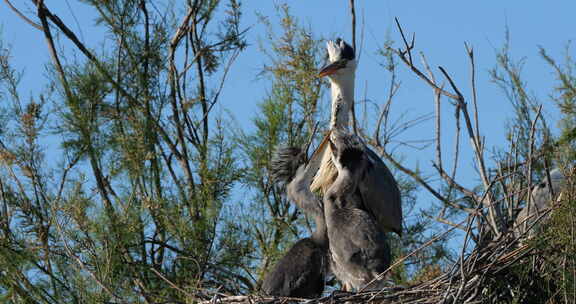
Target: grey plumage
284 164
542 197
378 188
381 195
358 247
301 271
361 198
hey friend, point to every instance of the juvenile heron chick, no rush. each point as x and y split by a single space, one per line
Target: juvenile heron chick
543 197
358 248
301 271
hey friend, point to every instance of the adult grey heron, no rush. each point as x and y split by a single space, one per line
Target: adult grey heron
358 248
378 187
542 197
301 271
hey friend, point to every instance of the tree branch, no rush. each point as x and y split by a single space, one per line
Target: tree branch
26 19
352 109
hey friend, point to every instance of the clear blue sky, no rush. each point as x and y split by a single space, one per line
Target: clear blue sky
441 29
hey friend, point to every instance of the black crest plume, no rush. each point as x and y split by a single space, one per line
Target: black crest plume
347 52
285 162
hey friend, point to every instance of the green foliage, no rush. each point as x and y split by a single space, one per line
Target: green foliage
557 245
556 242
420 224
134 202
287 117
507 74
565 98
548 276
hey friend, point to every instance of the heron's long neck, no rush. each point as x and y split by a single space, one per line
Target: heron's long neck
298 190
320 234
345 183
342 100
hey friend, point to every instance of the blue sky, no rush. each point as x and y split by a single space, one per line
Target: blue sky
441 29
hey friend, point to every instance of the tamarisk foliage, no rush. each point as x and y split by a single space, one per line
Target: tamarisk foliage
130 203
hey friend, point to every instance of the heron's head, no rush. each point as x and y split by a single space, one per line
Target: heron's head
348 151
285 163
341 60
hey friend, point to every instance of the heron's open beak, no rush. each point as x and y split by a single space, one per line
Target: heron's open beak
322 146
328 69
331 68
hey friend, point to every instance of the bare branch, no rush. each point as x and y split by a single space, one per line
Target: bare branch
401 260
353 17
410 46
470 52
408 61
42 12
452 183
420 180
26 19
530 160
478 149
384 114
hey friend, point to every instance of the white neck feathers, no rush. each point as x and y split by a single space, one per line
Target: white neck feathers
342 90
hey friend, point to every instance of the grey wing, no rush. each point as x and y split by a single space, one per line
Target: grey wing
366 244
381 195
300 273
541 194
541 199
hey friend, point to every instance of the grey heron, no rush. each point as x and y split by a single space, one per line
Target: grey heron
378 187
358 248
301 271
542 197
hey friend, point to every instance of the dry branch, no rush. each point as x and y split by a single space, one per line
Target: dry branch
468 281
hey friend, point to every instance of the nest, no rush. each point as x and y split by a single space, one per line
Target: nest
509 268
485 275
467 282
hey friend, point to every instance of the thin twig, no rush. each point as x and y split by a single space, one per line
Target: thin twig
494 213
410 46
401 260
42 12
26 19
470 52
419 179
171 283
384 114
352 108
530 160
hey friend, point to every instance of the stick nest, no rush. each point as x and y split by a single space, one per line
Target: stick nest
478 277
